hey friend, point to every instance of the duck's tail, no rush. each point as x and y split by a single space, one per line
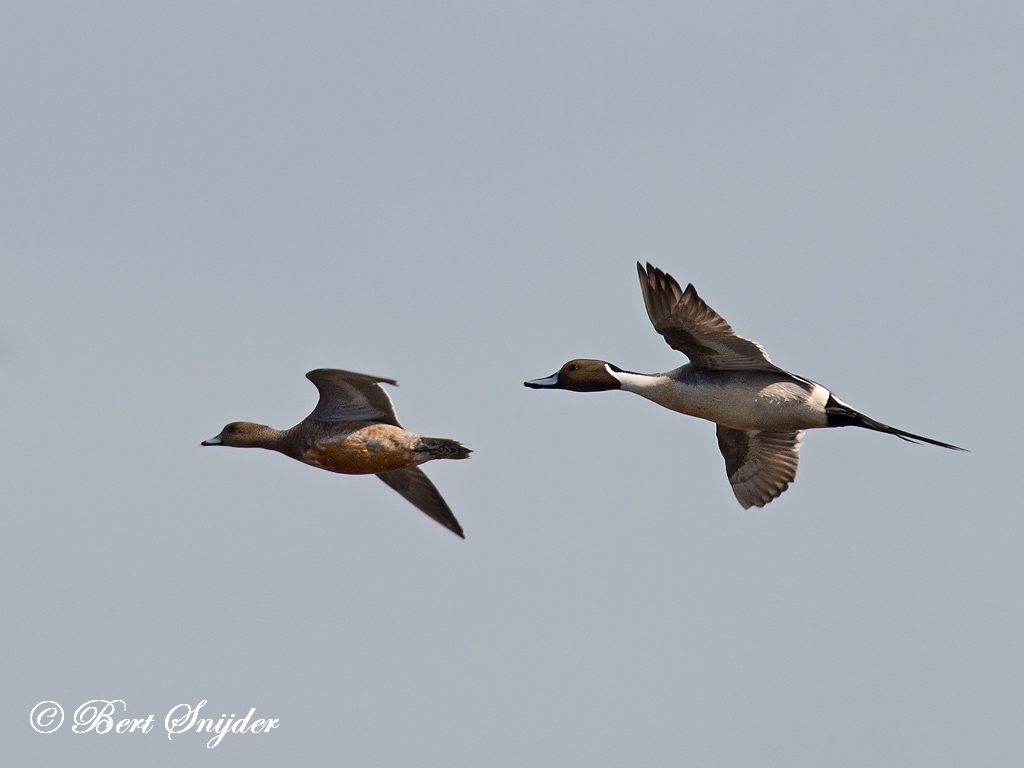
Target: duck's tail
443 448
841 415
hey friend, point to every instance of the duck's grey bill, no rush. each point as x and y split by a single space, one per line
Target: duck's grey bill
213 441
545 383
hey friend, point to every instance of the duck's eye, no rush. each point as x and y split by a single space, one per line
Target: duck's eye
573 367
232 428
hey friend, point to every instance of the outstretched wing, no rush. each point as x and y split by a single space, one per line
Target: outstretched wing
417 489
348 396
760 465
695 329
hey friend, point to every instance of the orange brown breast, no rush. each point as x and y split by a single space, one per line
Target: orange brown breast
364 450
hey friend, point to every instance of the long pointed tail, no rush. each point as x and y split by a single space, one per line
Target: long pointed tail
841 415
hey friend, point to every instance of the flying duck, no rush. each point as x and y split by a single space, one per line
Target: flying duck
760 409
353 430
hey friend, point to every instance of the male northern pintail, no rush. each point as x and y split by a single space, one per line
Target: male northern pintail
353 430
760 409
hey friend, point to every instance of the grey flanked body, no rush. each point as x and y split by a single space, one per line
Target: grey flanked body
761 410
737 399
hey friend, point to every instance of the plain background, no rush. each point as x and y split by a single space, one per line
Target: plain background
199 202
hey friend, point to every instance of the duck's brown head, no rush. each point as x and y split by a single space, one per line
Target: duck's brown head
580 376
244 434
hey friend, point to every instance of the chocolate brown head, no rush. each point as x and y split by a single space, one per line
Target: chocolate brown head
580 376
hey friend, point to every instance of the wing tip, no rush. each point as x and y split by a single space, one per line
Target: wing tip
319 372
645 277
451 524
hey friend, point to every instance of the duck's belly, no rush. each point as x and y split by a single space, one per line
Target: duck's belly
748 402
364 451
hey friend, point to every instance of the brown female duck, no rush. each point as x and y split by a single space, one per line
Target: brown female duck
353 430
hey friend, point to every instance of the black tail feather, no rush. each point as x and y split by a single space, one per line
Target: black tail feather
443 448
841 415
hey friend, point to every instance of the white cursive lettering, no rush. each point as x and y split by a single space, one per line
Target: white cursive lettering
91 716
185 718
98 716
181 724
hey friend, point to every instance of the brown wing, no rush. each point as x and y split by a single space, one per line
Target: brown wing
760 465
421 493
695 329
348 396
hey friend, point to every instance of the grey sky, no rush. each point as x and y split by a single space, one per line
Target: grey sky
200 202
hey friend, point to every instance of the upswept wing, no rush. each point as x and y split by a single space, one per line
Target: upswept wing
760 465
348 396
417 489
695 329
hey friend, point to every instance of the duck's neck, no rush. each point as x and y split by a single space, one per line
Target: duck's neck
643 384
661 388
262 436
